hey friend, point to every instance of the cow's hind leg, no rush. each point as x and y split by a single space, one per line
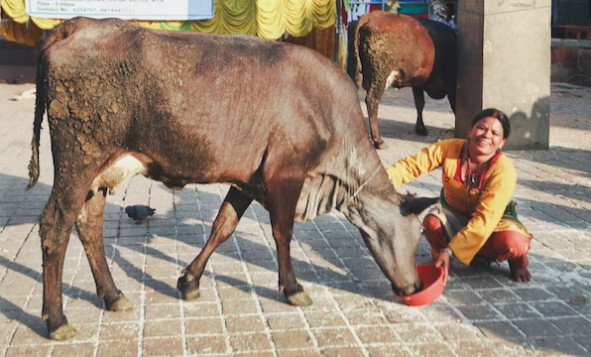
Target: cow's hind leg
375 92
90 229
451 97
419 97
284 190
232 209
55 226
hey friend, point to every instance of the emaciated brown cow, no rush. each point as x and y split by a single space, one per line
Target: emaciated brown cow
400 51
279 122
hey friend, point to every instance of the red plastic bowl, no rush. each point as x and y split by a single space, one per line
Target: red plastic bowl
432 279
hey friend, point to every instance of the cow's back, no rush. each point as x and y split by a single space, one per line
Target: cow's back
227 75
222 103
396 42
444 40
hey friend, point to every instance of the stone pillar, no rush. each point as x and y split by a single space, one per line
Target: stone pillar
504 62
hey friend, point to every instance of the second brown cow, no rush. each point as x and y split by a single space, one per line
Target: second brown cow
401 51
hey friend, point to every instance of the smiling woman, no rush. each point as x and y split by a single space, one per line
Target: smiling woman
476 220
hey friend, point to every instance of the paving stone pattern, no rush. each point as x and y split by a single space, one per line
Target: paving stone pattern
241 312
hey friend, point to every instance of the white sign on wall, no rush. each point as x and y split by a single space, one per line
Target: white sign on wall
155 10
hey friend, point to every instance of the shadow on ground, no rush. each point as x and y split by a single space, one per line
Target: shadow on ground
567 158
333 259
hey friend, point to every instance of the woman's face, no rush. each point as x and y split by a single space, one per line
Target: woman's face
486 136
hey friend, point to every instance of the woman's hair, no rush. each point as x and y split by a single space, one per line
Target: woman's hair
497 114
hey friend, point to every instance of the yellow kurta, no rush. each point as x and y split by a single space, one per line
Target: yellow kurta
486 205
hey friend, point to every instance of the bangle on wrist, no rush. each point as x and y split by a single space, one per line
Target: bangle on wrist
448 250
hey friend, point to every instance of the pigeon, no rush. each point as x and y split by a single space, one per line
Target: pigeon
139 212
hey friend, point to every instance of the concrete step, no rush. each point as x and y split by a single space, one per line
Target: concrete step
14 54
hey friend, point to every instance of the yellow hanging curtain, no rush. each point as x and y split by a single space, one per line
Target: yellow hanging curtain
15 9
26 34
236 16
296 17
265 18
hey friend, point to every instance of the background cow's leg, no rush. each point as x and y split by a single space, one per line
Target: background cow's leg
55 226
451 96
232 209
372 100
284 194
90 229
419 97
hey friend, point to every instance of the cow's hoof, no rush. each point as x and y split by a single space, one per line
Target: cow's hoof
299 299
191 295
63 333
188 287
421 131
380 146
121 303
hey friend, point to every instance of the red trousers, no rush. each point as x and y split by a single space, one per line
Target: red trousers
507 245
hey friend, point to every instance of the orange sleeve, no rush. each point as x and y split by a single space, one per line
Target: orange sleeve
427 160
489 211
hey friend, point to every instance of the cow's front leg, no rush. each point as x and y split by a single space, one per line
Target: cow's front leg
284 196
451 97
232 209
293 291
90 229
419 97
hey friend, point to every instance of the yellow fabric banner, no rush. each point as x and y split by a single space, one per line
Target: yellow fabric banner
265 18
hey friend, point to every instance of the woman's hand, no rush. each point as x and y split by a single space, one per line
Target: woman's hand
443 261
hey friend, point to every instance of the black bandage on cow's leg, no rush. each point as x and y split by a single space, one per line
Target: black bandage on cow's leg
232 209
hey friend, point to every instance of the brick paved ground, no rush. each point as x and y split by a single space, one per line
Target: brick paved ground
241 313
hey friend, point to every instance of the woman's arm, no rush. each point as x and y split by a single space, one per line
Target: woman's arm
411 167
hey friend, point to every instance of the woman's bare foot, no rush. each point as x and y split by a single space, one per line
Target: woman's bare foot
520 275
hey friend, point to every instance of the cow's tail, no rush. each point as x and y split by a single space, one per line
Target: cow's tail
39 112
353 60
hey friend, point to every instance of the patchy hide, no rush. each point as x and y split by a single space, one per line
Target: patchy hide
279 122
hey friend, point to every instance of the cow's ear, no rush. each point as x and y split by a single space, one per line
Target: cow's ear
410 204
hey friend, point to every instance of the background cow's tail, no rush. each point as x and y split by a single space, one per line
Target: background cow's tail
39 112
353 60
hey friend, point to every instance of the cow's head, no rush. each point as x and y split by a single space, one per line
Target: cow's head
391 230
